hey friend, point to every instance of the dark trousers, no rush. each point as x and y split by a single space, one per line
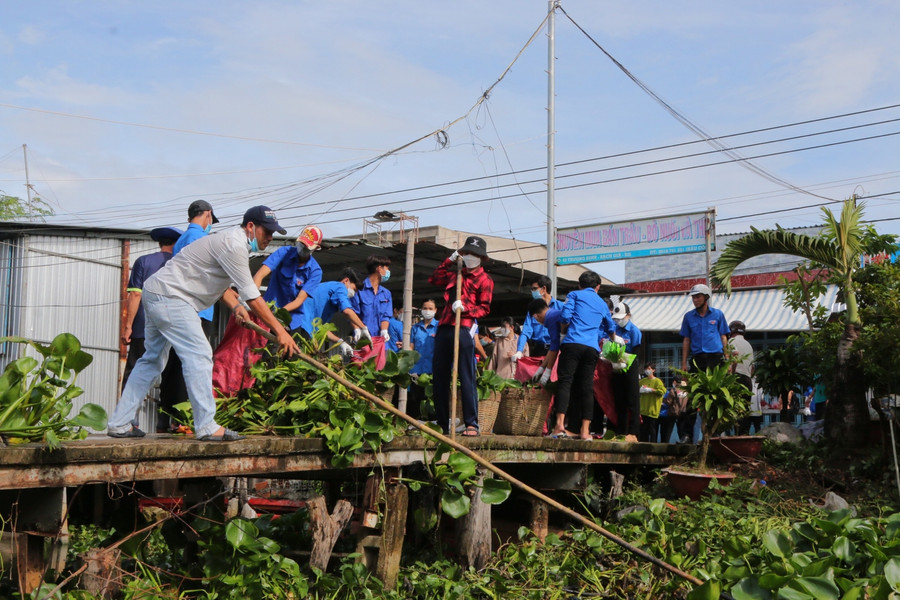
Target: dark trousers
537 349
626 388
414 398
575 371
685 424
666 426
649 429
705 361
442 367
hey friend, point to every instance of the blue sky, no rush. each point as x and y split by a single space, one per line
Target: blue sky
339 83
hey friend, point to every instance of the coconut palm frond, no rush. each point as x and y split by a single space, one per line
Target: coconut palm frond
779 241
847 235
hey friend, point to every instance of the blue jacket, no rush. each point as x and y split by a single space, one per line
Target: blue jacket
373 308
588 317
395 330
289 277
631 334
330 297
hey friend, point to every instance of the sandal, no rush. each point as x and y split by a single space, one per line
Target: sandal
227 436
471 431
134 432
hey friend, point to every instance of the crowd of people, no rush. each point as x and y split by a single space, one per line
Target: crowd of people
168 328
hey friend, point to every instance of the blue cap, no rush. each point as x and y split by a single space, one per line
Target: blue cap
165 233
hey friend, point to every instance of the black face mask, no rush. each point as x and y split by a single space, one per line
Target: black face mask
304 252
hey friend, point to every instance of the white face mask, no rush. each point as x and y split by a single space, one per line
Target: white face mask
648 373
471 261
503 332
621 322
350 292
427 314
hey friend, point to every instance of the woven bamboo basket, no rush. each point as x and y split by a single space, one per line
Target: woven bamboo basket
523 411
487 412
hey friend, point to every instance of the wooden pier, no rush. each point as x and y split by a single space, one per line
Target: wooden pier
34 479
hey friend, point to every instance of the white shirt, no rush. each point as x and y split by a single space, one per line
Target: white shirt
204 269
745 350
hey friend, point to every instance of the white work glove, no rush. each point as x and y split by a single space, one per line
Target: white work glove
386 335
537 374
546 376
361 333
454 256
458 306
618 340
619 366
517 356
346 350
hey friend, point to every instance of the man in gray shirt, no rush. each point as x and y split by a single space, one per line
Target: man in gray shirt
742 351
195 278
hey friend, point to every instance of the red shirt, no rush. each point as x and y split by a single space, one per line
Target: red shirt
477 292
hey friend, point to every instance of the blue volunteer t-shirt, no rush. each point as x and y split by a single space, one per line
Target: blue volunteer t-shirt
552 323
373 308
705 332
631 334
422 339
330 297
395 330
532 330
588 317
289 277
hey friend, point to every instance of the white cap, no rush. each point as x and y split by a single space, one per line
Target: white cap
700 288
619 311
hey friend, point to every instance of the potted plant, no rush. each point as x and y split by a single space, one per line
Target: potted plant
720 400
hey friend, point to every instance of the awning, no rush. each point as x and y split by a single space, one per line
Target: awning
760 310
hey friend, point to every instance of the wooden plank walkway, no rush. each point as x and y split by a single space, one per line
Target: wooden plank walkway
103 459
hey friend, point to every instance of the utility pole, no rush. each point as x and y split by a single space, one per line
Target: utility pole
27 181
551 147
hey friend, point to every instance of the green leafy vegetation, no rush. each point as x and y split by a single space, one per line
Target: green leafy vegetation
36 395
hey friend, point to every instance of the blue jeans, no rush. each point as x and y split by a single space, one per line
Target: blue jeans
170 322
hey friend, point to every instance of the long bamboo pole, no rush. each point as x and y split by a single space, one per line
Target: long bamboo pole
455 375
486 464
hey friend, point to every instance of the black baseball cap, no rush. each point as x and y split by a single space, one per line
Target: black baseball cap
199 206
265 216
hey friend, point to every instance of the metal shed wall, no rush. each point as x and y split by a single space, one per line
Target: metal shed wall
72 284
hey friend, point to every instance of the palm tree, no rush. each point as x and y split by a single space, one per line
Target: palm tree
838 249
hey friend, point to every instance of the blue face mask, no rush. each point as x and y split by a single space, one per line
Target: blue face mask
208 229
536 294
387 275
254 245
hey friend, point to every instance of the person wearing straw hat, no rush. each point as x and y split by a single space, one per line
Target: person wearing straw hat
473 301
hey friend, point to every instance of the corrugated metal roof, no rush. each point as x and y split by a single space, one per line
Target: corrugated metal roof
760 310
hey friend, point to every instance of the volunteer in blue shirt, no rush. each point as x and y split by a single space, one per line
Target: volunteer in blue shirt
588 319
374 303
200 221
705 331
395 330
626 384
533 333
295 274
549 318
421 339
331 297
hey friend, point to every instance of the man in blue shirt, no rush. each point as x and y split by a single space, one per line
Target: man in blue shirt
331 297
588 319
705 331
200 221
421 339
374 303
295 274
549 319
626 384
533 333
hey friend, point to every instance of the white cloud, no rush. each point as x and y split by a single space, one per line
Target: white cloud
32 36
57 86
